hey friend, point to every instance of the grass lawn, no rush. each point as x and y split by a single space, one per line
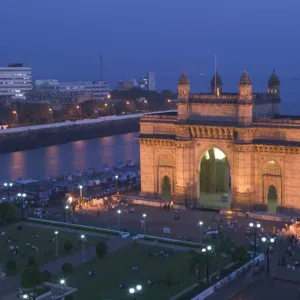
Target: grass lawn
116 269
43 242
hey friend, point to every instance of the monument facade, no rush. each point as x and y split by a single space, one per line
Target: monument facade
261 147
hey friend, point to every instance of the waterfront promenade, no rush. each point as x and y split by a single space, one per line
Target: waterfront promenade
77 123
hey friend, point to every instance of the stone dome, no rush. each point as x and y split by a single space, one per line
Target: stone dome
183 79
245 79
218 79
274 79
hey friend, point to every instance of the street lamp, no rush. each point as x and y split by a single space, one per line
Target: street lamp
80 189
22 198
62 283
17 116
79 108
170 102
116 177
119 218
56 241
201 231
255 227
145 104
8 185
132 290
25 296
67 213
269 241
51 112
144 217
83 241
205 251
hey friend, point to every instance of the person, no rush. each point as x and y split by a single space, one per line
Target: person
134 268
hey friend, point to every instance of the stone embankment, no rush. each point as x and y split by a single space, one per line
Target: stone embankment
31 139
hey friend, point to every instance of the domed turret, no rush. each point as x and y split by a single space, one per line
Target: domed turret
273 84
183 79
183 87
216 84
245 79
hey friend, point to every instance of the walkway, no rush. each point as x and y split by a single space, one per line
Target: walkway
11 284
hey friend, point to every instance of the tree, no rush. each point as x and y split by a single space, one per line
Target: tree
9 212
169 282
11 266
31 261
31 277
68 246
67 268
101 249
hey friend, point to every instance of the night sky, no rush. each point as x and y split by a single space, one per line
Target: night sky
63 39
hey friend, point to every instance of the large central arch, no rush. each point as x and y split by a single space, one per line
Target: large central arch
214 179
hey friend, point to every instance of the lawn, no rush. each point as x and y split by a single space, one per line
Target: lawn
43 242
116 269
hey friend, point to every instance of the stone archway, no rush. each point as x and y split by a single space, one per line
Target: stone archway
272 199
271 174
214 179
166 188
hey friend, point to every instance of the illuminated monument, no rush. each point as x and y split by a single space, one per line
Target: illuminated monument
223 145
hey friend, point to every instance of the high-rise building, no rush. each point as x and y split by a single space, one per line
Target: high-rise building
97 89
148 82
15 81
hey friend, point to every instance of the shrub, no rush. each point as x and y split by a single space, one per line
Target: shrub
11 266
101 249
68 246
31 277
47 275
31 261
67 268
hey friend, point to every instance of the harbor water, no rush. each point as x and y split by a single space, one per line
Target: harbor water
61 159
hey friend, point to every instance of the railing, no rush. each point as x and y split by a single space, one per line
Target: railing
159 118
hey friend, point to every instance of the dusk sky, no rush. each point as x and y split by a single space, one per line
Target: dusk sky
63 39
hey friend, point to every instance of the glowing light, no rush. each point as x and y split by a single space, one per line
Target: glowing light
138 287
208 248
131 290
264 239
218 154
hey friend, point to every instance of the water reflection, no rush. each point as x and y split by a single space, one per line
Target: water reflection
60 159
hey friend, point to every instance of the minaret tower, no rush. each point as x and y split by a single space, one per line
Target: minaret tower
245 104
184 88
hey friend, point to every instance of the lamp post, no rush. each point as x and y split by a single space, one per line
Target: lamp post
8 186
56 241
79 109
201 231
144 217
128 105
25 296
255 227
80 189
62 283
116 177
133 290
119 218
170 102
83 240
145 105
22 198
205 251
67 213
51 112
269 242
17 116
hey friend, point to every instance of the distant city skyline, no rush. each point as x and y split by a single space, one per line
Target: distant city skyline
64 39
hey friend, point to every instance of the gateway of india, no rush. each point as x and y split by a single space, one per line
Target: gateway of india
233 146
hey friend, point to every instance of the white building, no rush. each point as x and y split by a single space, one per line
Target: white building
98 89
148 82
15 81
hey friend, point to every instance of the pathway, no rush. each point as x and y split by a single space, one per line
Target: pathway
11 284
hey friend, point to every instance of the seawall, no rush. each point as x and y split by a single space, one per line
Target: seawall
45 137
